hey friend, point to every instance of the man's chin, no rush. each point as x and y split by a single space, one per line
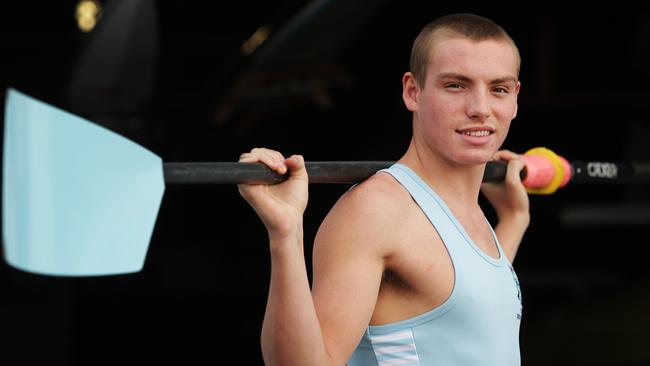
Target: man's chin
476 157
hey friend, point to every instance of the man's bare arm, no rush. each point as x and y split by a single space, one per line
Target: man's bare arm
298 328
510 200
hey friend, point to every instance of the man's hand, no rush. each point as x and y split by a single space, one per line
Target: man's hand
279 206
509 198
510 201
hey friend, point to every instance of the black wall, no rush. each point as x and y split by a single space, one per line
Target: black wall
202 292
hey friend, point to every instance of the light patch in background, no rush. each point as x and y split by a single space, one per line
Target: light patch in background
255 40
88 13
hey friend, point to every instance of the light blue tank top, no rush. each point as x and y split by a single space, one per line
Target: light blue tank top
477 325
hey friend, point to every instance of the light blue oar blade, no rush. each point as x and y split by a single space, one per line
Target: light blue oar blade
78 199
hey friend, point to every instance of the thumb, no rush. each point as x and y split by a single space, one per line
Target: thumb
296 165
515 166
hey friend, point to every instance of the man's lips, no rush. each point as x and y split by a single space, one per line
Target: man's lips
476 136
476 131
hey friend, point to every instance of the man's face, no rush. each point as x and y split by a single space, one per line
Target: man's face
464 110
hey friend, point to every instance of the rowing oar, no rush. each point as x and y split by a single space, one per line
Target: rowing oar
537 176
80 200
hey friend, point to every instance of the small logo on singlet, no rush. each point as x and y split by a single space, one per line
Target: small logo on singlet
516 280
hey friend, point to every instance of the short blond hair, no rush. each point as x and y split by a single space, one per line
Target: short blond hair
470 26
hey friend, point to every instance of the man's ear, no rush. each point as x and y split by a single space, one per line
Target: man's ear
410 90
516 103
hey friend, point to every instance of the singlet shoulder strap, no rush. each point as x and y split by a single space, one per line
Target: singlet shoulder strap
429 202
437 210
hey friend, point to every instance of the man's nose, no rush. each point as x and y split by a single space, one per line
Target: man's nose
478 105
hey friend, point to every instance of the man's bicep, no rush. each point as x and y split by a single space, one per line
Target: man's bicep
348 268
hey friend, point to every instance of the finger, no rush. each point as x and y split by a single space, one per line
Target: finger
515 166
245 157
271 153
263 150
296 165
505 155
272 159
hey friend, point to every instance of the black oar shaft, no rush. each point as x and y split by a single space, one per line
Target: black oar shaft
343 172
350 172
610 172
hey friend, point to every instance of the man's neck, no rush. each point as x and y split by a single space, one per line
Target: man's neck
458 184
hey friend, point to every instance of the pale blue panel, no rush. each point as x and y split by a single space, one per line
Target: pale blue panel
78 199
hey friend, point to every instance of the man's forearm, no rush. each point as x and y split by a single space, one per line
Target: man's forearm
510 231
291 332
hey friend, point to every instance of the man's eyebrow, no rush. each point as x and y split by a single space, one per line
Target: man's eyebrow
455 76
504 80
463 78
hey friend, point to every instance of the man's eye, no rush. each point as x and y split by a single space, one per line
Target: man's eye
500 90
454 86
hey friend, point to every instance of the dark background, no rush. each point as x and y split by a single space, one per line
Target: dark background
171 76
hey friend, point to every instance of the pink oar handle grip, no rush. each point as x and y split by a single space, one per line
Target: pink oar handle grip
540 171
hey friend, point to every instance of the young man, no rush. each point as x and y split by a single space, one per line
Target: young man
406 268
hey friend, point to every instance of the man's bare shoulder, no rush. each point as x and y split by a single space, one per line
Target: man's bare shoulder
380 193
367 213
